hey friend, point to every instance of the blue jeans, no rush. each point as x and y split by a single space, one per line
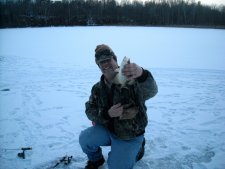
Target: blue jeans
123 154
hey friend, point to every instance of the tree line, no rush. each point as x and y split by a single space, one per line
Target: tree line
29 13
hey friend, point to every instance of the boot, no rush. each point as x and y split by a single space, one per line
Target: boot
95 164
142 151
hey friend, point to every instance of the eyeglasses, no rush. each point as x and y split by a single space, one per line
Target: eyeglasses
104 61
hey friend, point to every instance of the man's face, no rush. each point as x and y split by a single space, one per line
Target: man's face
108 67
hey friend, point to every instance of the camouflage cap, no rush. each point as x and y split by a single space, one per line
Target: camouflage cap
104 52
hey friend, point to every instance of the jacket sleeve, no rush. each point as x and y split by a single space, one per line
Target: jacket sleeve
93 111
147 85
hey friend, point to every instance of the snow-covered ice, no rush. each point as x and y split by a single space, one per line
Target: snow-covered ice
46 75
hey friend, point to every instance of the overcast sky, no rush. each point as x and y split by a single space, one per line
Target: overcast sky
207 2
217 2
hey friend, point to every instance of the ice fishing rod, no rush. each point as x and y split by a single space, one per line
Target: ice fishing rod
65 160
21 154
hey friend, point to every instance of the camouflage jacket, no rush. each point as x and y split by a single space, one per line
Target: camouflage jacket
102 98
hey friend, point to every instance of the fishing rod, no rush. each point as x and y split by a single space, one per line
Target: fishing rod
65 160
21 154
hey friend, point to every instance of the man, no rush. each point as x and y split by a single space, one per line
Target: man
105 109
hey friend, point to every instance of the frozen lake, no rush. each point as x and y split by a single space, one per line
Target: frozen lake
46 75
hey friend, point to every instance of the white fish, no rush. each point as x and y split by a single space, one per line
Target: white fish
120 77
130 110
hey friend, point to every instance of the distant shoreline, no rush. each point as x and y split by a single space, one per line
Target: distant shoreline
121 25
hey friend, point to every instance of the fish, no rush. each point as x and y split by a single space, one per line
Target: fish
130 109
120 78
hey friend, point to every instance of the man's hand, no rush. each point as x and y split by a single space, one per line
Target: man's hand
116 110
132 71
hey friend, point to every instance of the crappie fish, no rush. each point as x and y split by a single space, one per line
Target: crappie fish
130 109
120 77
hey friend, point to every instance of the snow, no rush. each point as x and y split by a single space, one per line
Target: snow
46 75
